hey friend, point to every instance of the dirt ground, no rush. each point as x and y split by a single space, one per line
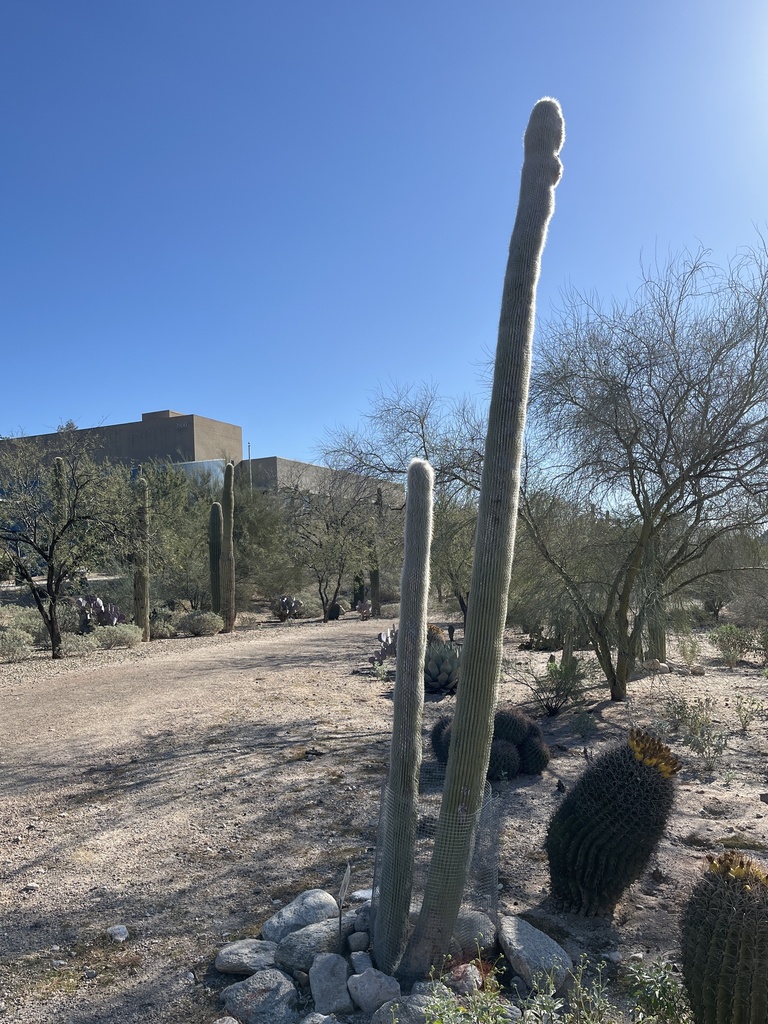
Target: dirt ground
188 788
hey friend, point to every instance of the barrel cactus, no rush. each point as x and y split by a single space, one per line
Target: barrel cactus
534 754
603 834
440 737
518 747
725 943
504 762
441 668
513 725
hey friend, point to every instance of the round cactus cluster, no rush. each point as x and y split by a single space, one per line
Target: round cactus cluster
724 943
441 668
435 635
603 834
518 746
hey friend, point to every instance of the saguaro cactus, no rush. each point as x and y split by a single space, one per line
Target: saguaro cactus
494 546
227 560
141 559
397 825
724 943
215 531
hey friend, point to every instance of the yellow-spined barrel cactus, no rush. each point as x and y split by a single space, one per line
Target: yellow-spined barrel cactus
603 834
725 943
441 668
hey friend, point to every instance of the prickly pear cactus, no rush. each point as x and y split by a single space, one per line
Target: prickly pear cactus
603 834
725 943
441 668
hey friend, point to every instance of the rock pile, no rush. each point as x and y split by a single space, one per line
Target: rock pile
309 952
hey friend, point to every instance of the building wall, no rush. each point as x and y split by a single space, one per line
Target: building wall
165 435
275 474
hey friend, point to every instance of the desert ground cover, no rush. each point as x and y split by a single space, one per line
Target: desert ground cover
188 788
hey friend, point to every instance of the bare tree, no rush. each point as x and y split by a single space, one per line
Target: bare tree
651 420
330 526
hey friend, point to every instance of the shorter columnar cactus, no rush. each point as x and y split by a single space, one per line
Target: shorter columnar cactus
724 943
441 668
604 832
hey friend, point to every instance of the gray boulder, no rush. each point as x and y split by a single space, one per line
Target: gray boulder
328 981
360 962
298 949
246 956
531 952
310 907
406 1010
372 989
268 997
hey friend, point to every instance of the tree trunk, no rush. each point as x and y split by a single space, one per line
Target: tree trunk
375 594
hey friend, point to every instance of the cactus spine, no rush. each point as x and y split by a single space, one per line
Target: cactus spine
215 531
725 943
494 547
227 560
397 828
603 833
141 559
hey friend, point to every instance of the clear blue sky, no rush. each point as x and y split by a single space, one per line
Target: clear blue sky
257 210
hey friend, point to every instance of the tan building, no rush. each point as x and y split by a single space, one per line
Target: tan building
166 436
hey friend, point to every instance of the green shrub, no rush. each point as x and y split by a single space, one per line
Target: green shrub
201 623
162 628
74 646
15 644
122 635
558 685
732 643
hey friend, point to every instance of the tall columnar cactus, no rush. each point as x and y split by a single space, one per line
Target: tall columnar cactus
398 818
227 560
725 943
141 559
604 832
215 531
494 546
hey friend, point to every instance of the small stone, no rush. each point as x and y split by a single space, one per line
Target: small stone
90 973
118 933
358 942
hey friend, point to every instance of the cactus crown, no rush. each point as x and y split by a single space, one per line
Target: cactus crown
734 865
652 752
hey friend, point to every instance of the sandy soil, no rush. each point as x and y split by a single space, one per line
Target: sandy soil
188 788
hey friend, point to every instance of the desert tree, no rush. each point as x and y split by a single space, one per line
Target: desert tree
406 422
649 424
61 514
329 520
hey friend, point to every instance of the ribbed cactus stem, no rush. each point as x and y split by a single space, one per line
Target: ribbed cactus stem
141 559
215 530
227 560
494 546
724 943
397 836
